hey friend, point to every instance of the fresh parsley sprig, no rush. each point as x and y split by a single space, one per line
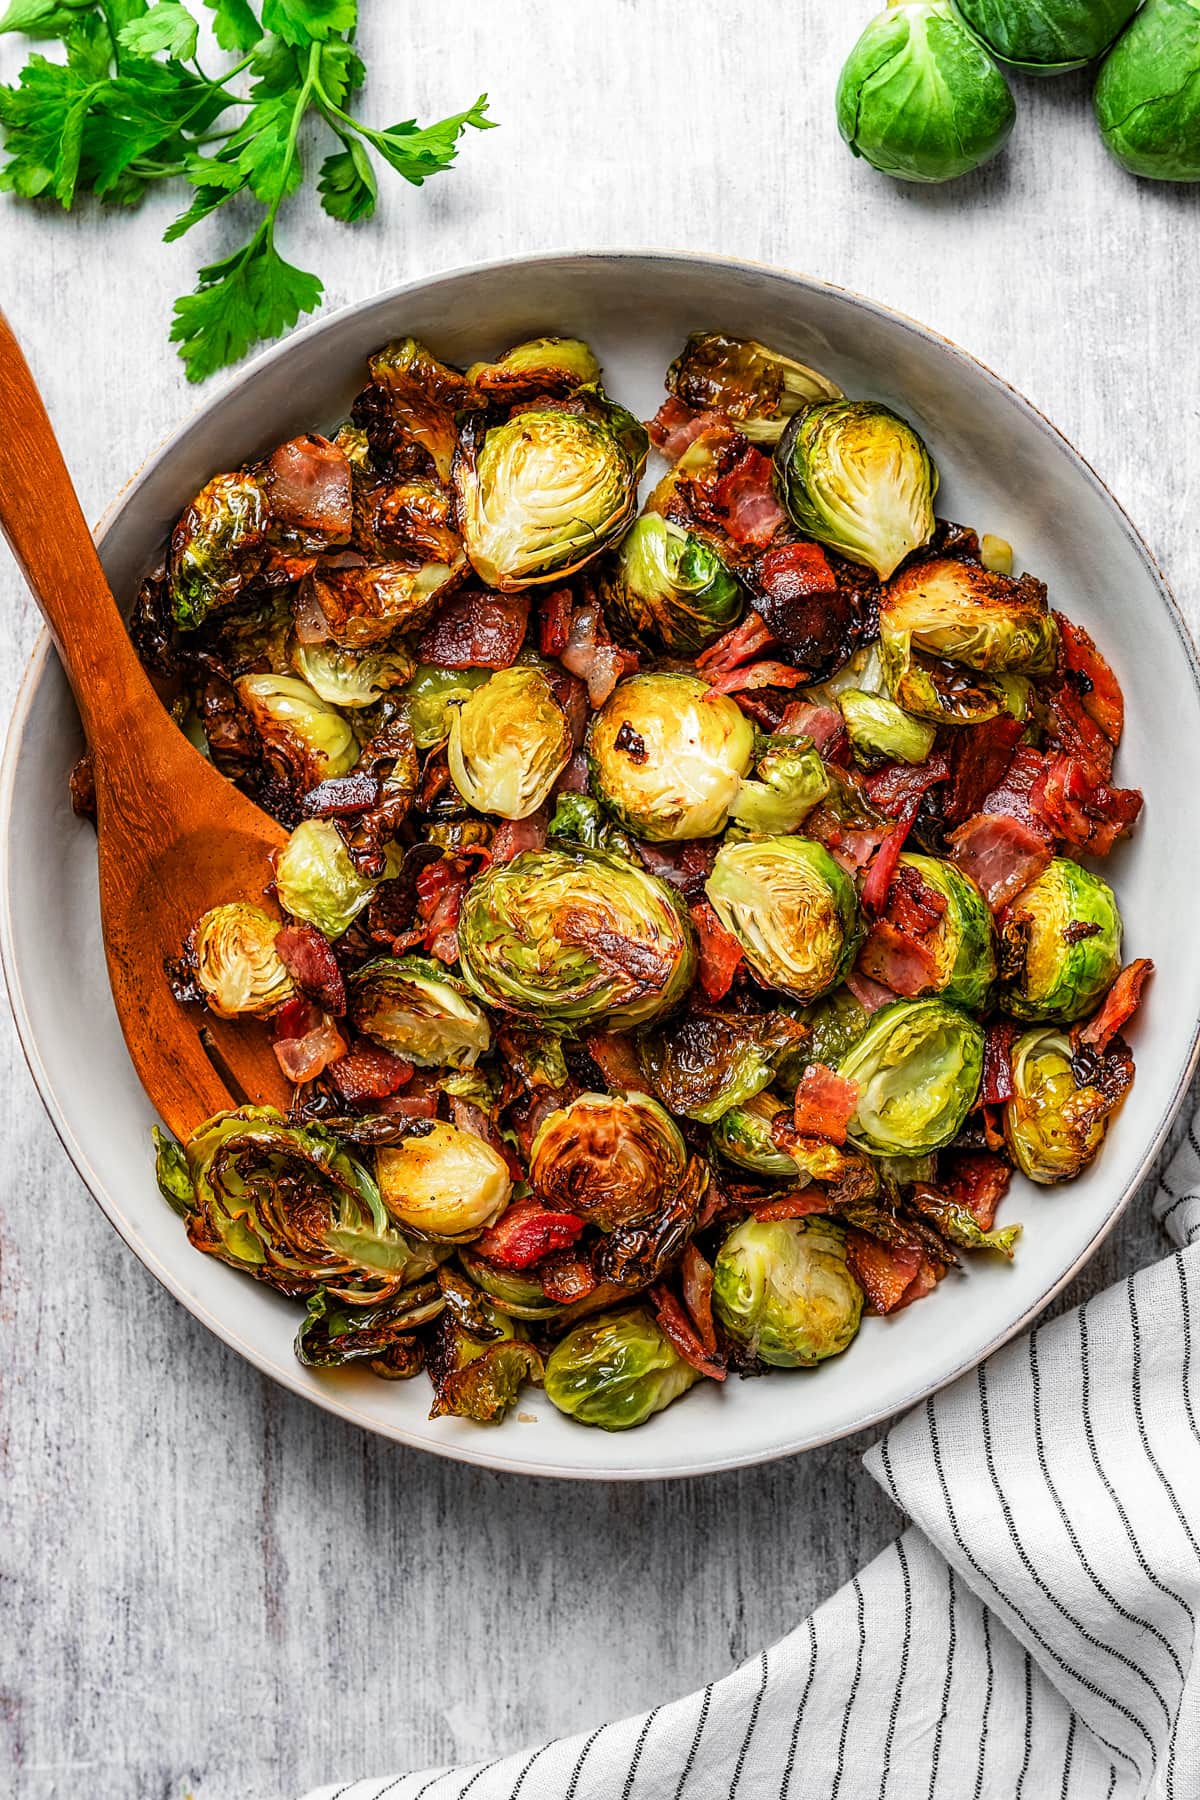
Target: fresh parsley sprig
130 105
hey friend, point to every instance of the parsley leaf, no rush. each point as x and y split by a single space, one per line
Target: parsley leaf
167 26
348 187
416 154
304 22
235 26
42 18
250 295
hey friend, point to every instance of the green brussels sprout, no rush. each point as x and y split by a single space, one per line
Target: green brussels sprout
444 1183
310 737
236 962
1047 37
791 907
316 880
962 943
612 1159
349 678
708 1062
574 935
509 743
743 1136
546 491
431 696
947 693
789 780
480 1360
413 1007
855 476
616 1370
783 1292
1053 1125
920 98
410 406
1060 945
881 731
581 820
667 756
668 588
962 613
516 1295
1147 99
755 387
832 1023
217 547
333 1336
547 365
917 1067
958 1225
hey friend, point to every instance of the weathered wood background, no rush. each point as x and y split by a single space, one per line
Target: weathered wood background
210 1587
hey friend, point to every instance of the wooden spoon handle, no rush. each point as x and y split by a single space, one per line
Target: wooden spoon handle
41 518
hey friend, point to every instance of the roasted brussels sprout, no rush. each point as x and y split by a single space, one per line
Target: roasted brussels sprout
316 880
667 756
413 1007
957 1224
543 493
578 819
444 1183
743 1136
832 1024
789 780
1147 99
919 98
217 547
791 908
332 1336
347 678
707 1062
616 1370
408 410
609 1158
364 606
783 1292
669 589
857 477
962 613
1047 37
236 962
1056 1120
310 737
573 935
947 693
509 743
917 1068
547 365
480 1360
431 696
962 943
996 554
1060 945
881 731
755 387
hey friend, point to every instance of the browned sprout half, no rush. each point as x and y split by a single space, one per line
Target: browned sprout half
609 1158
759 389
236 962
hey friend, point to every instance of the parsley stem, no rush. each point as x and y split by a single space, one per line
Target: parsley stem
311 84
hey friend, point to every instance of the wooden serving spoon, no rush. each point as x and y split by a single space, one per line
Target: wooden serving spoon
174 836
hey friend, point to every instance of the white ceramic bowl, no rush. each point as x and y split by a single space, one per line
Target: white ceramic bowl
1004 469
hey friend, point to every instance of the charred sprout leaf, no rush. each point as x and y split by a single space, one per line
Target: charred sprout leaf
415 1009
962 613
511 1293
236 962
958 1226
480 1360
858 478
1055 1122
880 731
834 1023
408 409
548 365
791 907
217 547
917 1068
612 1159
743 1136
1047 37
509 743
431 697
172 1174
445 1183
667 756
783 1293
304 734
757 388
1060 945
348 678
331 1335
1147 99
616 1370
667 588
789 780
961 943
578 819
708 1062
317 881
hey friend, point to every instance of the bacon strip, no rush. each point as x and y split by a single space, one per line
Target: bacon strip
884 1274
720 953
679 1329
526 1233
825 1103
1121 1002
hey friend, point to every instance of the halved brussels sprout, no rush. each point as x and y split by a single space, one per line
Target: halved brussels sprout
546 365
1054 1124
411 1006
480 1360
948 693
237 964
616 1370
964 613
408 410
789 780
316 880
509 743
1060 945
917 1067
667 756
311 737
707 1062
743 1136
609 1158
881 731
791 907
856 477
431 696
364 606
783 1292
444 1183
668 588
333 1336
573 935
216 547
833 1023
759 389
1047 37
349 678
962 943
543 493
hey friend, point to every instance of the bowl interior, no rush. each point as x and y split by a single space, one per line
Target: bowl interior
1003 469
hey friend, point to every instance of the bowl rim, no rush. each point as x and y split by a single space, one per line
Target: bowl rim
332 1400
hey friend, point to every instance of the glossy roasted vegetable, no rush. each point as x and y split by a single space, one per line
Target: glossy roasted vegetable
707 1062
1047 37
364 606
408 410
755 387
547 365
443 1182
667 756
880 731
669 589
431 697
962 943
612 1159
308 736
414 1008
236 962
1058 1115
1060 945
217 547
509 743
783 1292
1147 98
480 1360
743 1136
789 780
333 1334
919 97
571 935
316 880
616 1370
857 477
917 1069
963 613
791 907
833 1023
351 678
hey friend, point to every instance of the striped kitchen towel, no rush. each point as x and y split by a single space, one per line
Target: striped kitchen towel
1032 1633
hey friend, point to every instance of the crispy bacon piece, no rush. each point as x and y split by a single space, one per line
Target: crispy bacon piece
979 1180
1085 814
825 1103
696 1284
306 1041
679 1329
720 952
440 889
798 595
475 630
979 759
879 879
801 1205
913 906
513 836
823 724
893 788
616 1058
554 620
309 959
760 675
1000 854
307 483
740 644
996 1084
417 1099
928 1274
675 426
685 866
567 1279
590 653
1121 1002
884 1273
1093 679
746 496
369 1073
871 995
899 961
527 1232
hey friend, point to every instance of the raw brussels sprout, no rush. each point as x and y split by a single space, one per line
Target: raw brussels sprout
743 1136
614 1371
962 943
783 1292
755 387
667 756
791 907
547 365
349 678
668 588
571 935
1060 945
881 731
707 1062
543 493
316 880
1147 99
311 737
610 1158
217 547
856 477
431 696
444 1183
1054 1124
789 780
509 743
411 1006
919 97
962 613
237 964
917 1067
1047 37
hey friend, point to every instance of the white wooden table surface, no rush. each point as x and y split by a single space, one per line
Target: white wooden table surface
212 1588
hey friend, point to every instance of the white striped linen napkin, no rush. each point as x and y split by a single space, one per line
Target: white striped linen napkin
1030 1636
